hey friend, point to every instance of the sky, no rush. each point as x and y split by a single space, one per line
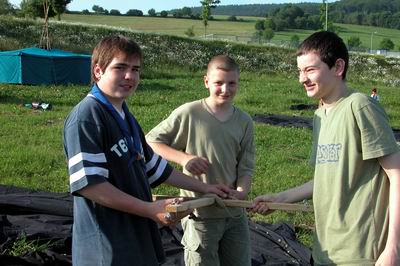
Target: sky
124 5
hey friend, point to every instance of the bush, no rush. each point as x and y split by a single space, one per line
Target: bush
164 14
294 40
386 44
190 31
232 18
354 42
152 12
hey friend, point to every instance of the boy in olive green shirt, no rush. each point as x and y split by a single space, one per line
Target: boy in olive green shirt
213 141
356 186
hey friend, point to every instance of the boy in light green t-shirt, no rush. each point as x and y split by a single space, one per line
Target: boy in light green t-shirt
356 185
213 141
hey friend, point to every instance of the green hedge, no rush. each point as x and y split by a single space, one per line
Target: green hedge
189 53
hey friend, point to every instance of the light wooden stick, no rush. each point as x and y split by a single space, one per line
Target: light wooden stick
192 203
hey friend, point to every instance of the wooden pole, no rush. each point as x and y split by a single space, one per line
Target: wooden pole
45 39
193 203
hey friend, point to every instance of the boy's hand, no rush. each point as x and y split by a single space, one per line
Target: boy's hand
260 207
236 194
159 215
196 165
220 189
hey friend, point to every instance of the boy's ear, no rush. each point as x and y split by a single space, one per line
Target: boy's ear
205 81
97 71
339 67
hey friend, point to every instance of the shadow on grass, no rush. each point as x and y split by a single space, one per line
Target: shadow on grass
296 121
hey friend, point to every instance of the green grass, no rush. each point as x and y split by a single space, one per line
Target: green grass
170 26
23 246
245 28
31 151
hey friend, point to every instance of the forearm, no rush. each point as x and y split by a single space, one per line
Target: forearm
296 194
168 153
391 165
394 214
109 196
180 180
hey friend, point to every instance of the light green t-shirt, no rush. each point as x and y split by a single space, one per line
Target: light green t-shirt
351 189
228 146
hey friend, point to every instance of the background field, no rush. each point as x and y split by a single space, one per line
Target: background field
244 28
31 151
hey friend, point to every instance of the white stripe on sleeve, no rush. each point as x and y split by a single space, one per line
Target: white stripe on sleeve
88 171
152 162
158 173
90 157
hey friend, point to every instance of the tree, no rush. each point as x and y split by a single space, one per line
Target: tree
115 12
164 14
354 42
258 35
206 11
294 40
232 18
186 11
152 12
59 7
134 12
5 7
177 14
322 16
386 44
269 23
97 9
259 25
34 9
268 34
85 12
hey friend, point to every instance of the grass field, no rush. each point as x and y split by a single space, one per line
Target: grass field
169 26
31 151
243 28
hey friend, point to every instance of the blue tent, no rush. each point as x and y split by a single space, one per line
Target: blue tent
37 66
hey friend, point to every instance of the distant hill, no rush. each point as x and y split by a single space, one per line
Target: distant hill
255 10
378 13
382 13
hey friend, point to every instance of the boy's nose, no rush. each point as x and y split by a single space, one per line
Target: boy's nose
302 77
129 75
224 88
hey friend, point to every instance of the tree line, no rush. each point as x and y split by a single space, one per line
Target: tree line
382 13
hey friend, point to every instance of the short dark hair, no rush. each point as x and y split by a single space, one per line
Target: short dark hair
110 47
329 46
223 62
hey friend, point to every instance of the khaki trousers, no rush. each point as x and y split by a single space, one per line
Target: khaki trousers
216 242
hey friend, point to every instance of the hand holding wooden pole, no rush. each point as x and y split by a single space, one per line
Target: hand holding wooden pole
193 203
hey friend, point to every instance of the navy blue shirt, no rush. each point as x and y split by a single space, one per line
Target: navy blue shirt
97 152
